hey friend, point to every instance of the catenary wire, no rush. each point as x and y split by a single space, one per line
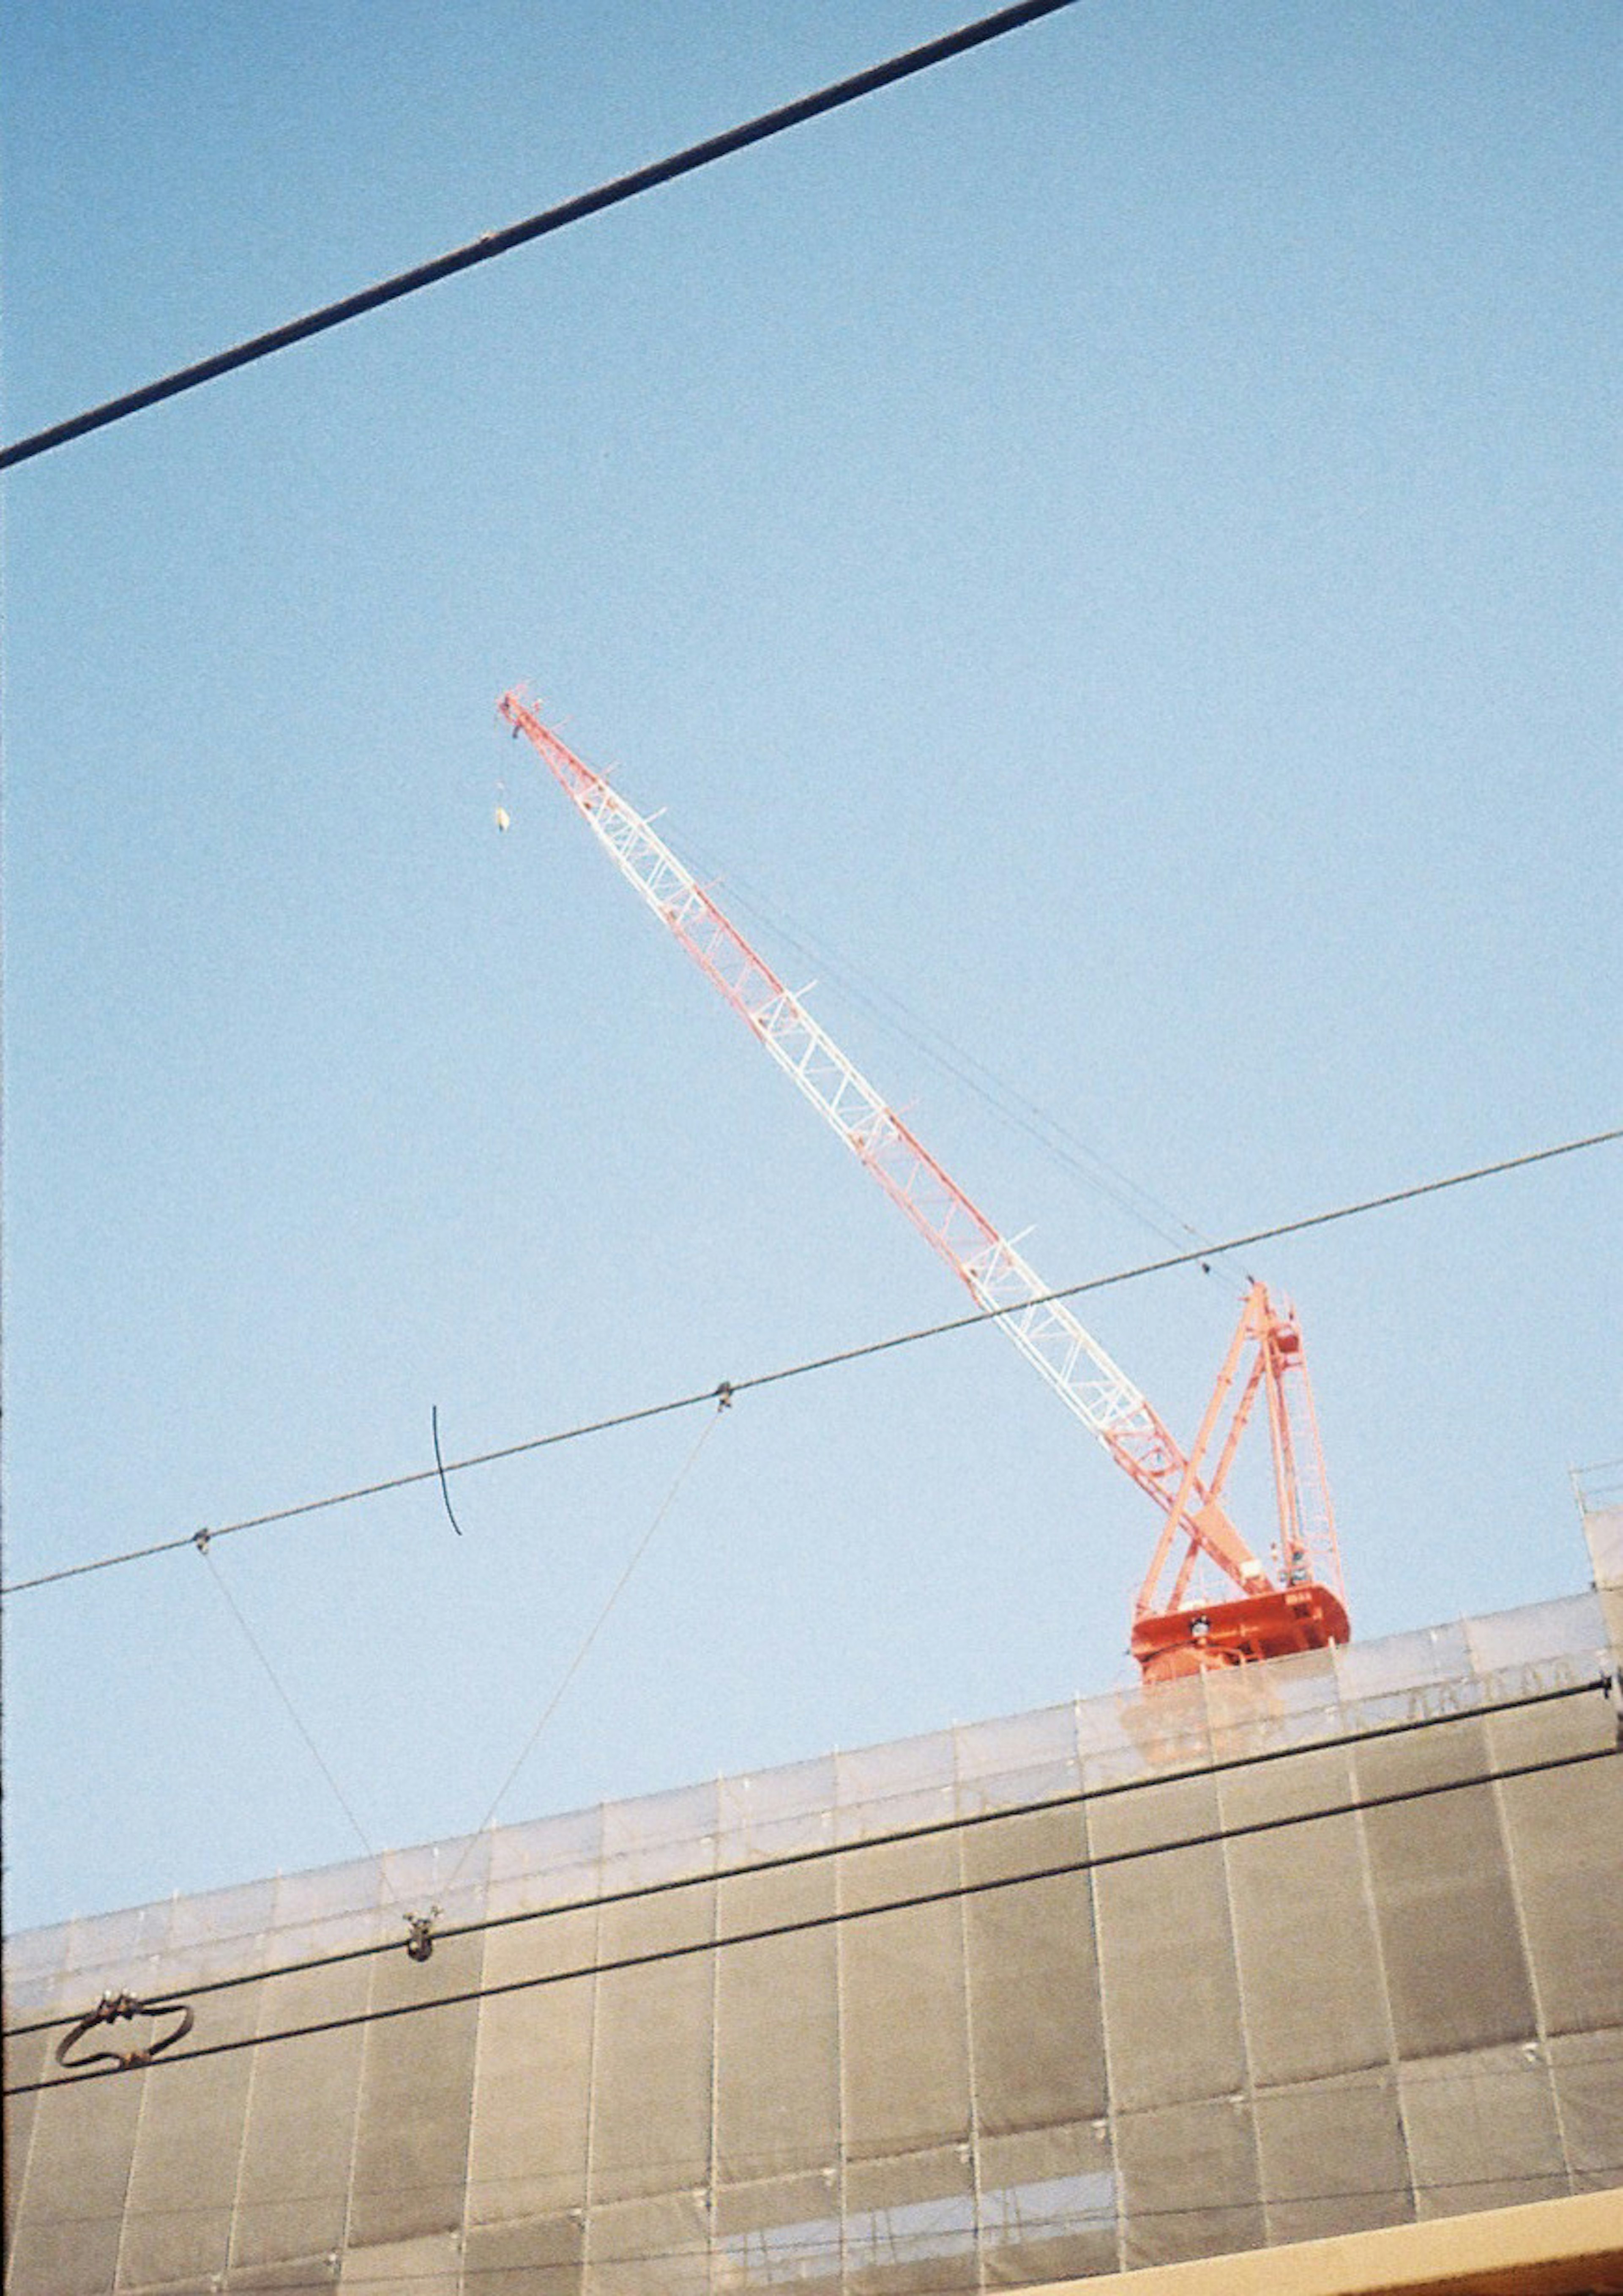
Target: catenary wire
819 1853
804 1925
261 347
949 1894
960 1822
1411 1194
294 1715
592 1631
492 243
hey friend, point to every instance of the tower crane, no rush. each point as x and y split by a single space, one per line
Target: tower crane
1206 1600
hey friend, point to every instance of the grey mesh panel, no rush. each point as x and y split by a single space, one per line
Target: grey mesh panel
299 2276
533 2072
298 2143
73 2221
1441 1874
25 2060
1308 2023
183 2186
1334 2157
910 2224
1564 1829
1048 2204
777 2053
1036 2020
1310 1964
541 2256
1190 2182
428 2266
1482 2131
784 2232
411 2157
654 2053
1586 2074
1167 1948
904 2006
654 2247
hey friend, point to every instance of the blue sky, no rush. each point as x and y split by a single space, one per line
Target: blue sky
1112 546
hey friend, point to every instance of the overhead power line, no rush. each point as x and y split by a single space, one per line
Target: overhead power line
492 243
1082 1799
858 1354
802 1924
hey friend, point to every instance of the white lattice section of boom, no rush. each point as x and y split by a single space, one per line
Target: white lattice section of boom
1044 1328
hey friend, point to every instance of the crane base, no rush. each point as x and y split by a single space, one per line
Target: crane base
1271 1625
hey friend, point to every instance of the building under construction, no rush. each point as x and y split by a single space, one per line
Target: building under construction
1314 1965
1305 1955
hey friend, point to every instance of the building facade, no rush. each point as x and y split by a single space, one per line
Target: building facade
1310 1949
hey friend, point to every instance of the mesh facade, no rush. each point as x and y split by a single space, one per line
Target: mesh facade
1313 1947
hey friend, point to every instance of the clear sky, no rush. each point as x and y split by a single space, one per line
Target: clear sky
1112 548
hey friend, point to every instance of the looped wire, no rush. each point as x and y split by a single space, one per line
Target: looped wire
109 2009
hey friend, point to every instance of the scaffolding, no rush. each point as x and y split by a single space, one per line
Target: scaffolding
1313 1946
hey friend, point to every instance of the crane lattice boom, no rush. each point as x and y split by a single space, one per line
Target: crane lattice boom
1043 1327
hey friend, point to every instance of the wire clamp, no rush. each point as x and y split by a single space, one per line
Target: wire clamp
108 2011
200 1540
420 1945
724 1396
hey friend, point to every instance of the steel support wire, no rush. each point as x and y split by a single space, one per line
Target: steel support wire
841 1357
953 1893
640 1892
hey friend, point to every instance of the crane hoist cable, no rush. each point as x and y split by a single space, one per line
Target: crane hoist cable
1179 1625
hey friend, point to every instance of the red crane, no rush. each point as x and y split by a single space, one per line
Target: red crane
1207 1599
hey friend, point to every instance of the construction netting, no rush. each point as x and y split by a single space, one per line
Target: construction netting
1309 1948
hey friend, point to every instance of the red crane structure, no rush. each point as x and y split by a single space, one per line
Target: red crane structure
1206 1600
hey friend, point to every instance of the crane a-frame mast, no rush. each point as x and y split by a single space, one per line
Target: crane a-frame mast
1043 1327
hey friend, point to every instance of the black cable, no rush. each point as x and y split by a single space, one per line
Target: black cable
640 1892
953 1893
492 243
823 1363
200 1539
440 1469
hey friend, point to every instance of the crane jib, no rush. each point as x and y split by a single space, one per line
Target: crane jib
1172 1633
